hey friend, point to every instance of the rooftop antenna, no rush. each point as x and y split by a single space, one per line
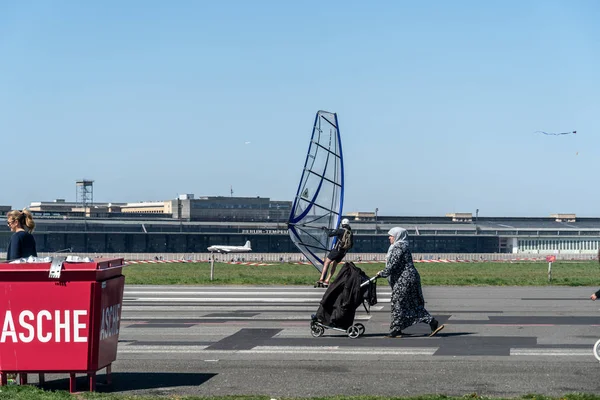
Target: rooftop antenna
231 190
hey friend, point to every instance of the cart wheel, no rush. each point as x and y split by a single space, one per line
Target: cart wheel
597 350
361 328
353 332
316 330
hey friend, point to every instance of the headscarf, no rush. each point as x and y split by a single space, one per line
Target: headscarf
400 236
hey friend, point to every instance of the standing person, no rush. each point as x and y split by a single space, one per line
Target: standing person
341 247
22 242
408 305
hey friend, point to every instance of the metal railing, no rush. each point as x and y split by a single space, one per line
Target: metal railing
299 258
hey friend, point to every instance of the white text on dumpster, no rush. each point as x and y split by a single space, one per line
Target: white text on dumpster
30 326
110 321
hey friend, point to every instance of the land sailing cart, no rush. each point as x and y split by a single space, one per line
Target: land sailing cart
340 301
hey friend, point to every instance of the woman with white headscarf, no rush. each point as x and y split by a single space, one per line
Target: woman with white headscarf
408 305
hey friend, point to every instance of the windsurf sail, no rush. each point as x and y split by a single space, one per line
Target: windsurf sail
320 194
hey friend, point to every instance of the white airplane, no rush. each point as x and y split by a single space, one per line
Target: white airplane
231 249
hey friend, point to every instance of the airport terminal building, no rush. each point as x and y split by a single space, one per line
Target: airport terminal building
190 225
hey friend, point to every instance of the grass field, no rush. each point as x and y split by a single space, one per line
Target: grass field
564 273
32 393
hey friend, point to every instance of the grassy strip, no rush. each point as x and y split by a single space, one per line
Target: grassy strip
33 393
564 273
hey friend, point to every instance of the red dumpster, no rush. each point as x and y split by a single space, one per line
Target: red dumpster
60 317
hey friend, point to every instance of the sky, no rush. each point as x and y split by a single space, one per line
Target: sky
438 102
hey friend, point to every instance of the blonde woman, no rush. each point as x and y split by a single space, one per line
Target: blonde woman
22 243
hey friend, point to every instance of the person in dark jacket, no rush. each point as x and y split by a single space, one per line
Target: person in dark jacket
22 242
338 305
408 304
335 255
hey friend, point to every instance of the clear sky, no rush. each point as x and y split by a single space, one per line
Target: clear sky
438 101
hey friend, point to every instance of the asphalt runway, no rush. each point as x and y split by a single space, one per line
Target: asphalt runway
498 341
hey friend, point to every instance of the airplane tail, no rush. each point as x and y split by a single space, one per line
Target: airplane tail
247 245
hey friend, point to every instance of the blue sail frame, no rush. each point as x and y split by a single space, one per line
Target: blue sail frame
320 196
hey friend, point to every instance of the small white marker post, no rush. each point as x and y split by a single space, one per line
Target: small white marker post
212 265
550 259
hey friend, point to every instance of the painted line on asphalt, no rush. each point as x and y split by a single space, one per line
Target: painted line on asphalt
210 309
232 318
552 352
518 324
387 352
132 349
230 292
125 348
230 300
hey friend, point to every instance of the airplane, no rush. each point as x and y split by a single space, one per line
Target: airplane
231 249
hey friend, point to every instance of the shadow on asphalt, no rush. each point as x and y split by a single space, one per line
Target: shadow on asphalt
127 381
419 335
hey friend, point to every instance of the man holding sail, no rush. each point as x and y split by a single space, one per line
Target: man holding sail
344 242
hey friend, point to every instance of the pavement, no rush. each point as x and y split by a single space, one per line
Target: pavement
256 340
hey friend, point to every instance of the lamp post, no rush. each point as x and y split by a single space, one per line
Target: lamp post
476 231
376 227
179 209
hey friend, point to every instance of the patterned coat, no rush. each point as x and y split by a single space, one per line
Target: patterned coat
408 304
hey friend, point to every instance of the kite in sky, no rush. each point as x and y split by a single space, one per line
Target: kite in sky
557 134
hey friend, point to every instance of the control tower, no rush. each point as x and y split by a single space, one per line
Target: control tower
85 194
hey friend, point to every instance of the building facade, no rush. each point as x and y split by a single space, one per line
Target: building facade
190 224
220 208
448 234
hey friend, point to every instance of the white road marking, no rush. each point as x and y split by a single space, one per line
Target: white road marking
552 352
386 352
278 350
224 293
297 348
230 300
425 351
232 318
469 317
232 308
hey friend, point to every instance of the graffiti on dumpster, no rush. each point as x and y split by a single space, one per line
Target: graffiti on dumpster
45 327
110 321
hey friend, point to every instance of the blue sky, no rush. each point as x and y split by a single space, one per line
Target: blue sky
438 102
